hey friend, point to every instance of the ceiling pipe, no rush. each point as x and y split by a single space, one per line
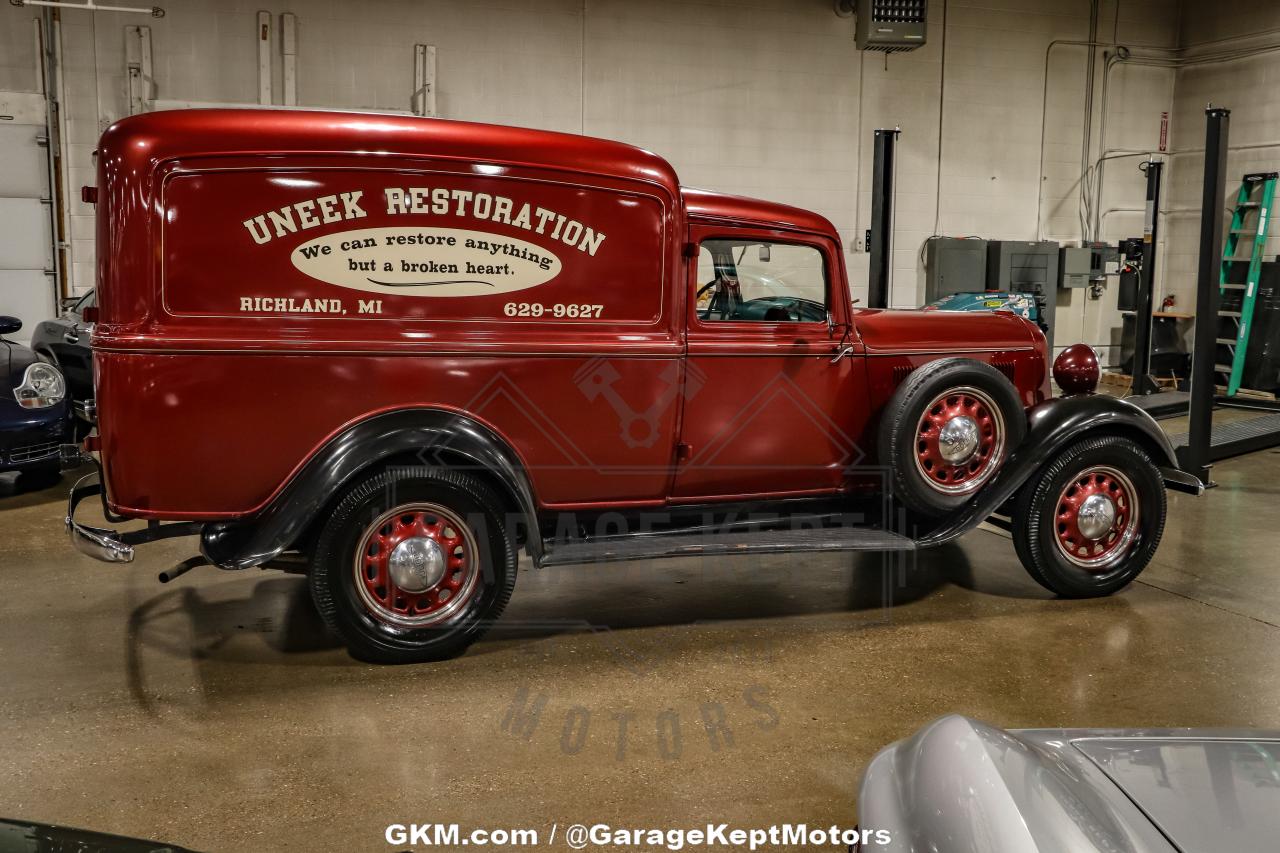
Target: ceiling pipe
90 6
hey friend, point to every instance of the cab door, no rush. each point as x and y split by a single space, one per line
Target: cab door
775 399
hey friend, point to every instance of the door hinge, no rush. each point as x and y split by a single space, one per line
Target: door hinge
691 250
683 452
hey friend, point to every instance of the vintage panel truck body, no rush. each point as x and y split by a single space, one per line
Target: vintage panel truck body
398 349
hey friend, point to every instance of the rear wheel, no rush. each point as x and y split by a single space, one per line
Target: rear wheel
414 565
1089 522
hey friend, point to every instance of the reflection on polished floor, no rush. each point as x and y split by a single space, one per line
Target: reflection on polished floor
215 713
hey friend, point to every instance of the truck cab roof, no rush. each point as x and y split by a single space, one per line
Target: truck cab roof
704 204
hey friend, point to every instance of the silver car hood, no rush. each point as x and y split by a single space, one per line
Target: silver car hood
959 785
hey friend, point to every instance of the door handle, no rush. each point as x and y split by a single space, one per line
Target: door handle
846 350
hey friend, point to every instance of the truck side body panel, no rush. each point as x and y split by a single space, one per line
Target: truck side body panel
265 283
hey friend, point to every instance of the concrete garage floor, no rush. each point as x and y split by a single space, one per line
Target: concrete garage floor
214 713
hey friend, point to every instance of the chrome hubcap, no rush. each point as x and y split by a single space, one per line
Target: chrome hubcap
1097 517
416 564
958 440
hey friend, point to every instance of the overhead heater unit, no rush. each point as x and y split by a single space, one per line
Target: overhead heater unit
891 26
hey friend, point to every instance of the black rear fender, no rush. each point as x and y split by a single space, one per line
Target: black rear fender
410 437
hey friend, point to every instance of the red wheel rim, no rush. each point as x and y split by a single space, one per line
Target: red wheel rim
1078 525
973 412
444 574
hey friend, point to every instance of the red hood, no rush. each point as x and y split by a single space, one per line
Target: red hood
914 330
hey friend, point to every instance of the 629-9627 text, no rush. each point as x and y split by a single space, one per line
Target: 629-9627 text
559 310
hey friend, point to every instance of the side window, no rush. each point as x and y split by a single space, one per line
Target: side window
761 281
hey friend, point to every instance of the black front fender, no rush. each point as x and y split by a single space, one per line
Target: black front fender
434 436
1053 425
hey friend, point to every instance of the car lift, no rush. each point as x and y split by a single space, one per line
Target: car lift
1143 384
1203 445
1145 394
880 234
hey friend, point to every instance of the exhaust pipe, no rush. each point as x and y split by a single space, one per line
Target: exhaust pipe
182 568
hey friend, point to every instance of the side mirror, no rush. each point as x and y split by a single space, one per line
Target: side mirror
9 325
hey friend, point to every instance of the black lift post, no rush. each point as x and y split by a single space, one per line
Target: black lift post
1144 392
1145 307
1204 445
880 234
1195 457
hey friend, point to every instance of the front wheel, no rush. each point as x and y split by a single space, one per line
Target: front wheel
1089 522
414 565
947 430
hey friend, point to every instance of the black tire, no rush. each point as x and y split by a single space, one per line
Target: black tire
929 487
378 630
1038 531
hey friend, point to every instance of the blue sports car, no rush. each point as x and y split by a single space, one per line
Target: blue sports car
35 415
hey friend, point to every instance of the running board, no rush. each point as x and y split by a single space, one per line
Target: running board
685 544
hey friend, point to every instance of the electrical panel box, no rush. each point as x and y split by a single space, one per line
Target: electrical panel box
1087 264
1076 266
1080 267
1018 266
890 25
954 265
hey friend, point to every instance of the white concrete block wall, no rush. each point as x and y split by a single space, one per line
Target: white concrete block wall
760 97
754 98
19 64
1247 86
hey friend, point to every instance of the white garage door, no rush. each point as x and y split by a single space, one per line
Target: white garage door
26 238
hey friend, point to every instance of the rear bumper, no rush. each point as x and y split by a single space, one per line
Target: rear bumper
96 542
113 546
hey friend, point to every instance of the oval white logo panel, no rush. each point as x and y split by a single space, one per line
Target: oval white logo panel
426 261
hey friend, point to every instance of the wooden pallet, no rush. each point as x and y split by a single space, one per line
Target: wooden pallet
1247 393
1120 383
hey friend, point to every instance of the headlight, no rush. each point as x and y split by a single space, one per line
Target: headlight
42 386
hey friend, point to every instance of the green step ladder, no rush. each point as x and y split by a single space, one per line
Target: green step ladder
1238 283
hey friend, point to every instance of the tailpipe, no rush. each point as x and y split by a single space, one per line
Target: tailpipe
182 568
